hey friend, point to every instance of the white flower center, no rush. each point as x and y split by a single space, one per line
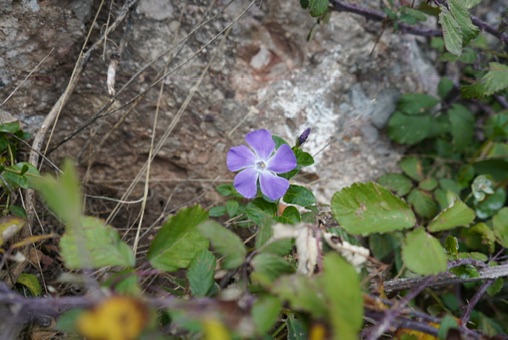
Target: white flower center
260 166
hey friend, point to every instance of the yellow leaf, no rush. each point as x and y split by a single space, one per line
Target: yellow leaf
117 318
9 226
214 329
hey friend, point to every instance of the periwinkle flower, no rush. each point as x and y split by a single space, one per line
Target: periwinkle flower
262 162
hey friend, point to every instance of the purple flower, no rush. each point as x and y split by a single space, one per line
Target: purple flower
261 162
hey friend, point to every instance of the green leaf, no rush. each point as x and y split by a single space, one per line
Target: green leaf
447 323
382 245
444 87
458 214
268 267
232 208
289 216
303 293
178 241
497 125
260 211
423 254
366 208
428 184
201 273
303 158
500 221
92 244
63 196
479 236
31 282
265 313
318 7
225 242
11 127
416 103
279 247
217 211
497 168
463 18
300 196
406 129
297 330
412 166
304 3
423 203
342 289
225 189
496 287
398 183
489 206
482 185
494 81
462 126
452 246
452 33
20 174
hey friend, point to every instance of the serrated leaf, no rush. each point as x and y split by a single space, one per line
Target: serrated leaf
265 312
31 282
341 286
423 203
268 267
428 184
496 286
452 33
406 129
299 195
478 236
225 242
462 126
398 183
423 254
178 241
463 18
494 81
416 103
318 7
500 222
412 166
94 245
201 273
366 208
458 214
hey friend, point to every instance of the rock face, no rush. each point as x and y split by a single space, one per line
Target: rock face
343 84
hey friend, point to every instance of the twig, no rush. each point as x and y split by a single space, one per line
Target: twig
445 279
370 14
474 300
391 314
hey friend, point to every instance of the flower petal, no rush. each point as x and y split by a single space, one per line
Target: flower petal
246 183
262 143
274 187
240 157
283 161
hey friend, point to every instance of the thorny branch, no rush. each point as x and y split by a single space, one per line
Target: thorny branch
445 279
370 14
